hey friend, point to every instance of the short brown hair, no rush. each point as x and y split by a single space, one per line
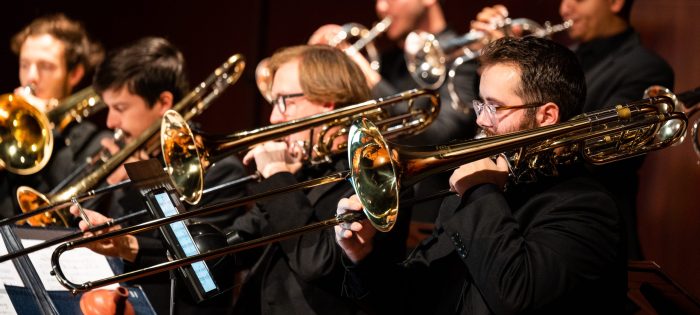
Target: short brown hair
79 49
549 72
326 74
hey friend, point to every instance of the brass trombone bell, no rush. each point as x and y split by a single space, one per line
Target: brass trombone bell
26 140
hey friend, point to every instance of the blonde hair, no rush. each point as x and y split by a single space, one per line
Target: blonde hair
326 74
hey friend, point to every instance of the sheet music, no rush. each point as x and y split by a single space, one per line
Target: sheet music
79 265
6 307
8 272
8 276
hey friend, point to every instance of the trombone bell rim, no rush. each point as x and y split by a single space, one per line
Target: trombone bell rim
373 174
181 156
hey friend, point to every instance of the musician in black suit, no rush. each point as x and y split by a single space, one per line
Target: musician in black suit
555 246
55 55
301 275
139 83
618 69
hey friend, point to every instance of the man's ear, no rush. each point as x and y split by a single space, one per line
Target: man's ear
75 76
165 99
547 114
616 6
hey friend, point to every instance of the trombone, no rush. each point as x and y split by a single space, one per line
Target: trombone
26 137
113 222
377 169
187 156
31 201
363 36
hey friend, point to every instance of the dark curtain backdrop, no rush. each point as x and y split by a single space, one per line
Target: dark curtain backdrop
209 31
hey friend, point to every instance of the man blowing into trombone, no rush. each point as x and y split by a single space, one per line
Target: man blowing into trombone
55 54
618 69
301 275
553 246
139 83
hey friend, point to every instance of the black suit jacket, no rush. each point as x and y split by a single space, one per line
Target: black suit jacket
301 275
618 70
554 247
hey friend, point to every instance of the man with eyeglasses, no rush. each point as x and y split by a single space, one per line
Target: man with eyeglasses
618 69
302 275
553 246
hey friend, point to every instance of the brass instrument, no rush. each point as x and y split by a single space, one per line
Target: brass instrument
191 105
75 108
26 136
686 102
187 156
427 58
26 140
377 169
351 31
364 39
111 223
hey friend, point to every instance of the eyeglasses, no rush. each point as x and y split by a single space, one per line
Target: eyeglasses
281 101
491 109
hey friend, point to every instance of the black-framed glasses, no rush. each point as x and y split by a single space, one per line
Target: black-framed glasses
281 101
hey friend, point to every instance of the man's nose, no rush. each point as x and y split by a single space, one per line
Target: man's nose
483 121
31 75
113 120
276 116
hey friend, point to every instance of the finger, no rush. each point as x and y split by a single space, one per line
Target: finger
249 157
83 226
110 145
481 26
74 210
501 9
357 226
488 14
501 163
351 204
347 234
343 206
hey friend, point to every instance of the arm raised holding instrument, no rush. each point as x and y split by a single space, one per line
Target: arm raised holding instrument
547 246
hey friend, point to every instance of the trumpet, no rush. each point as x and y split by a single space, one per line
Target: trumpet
427 58
377 170
31 201
187 156
26 133
351 31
